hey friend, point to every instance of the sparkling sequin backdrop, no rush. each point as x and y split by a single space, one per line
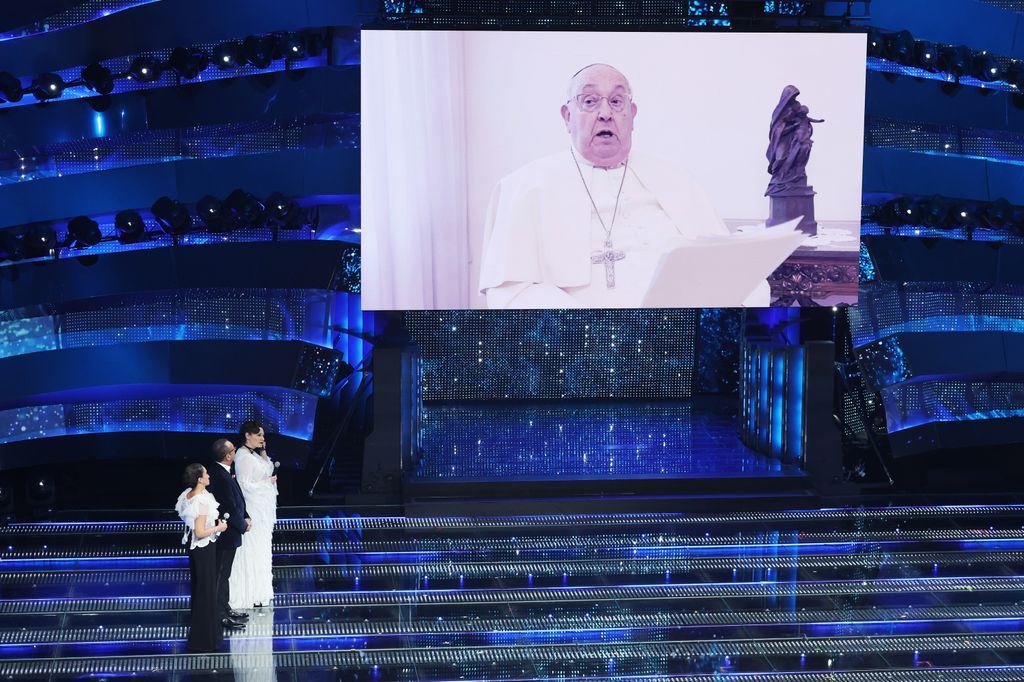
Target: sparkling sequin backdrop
521 354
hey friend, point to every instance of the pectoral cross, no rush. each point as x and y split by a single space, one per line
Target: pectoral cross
608 257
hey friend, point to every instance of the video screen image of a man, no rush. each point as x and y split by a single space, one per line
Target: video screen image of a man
586 227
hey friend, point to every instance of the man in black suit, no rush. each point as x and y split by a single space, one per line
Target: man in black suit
225 489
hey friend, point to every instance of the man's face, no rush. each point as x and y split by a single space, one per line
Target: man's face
229 457
602 136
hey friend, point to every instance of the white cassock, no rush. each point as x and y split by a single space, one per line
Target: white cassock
541 231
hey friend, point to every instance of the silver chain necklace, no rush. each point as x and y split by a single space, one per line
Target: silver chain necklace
608 255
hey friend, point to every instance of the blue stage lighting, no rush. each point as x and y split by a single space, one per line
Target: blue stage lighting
98 78
10 87
40 241
258 51
227 55
188 63
172 216
48 86
210 210
145 69
130 227
84 231
244 210
11 246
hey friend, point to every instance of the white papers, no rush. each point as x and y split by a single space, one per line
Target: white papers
721 272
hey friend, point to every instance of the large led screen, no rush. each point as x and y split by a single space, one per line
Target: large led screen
610 170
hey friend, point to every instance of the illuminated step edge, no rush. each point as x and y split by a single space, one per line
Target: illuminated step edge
555 625
543 595
487 655
443 569
574 520
491 545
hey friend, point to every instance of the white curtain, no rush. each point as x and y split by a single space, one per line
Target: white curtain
413 184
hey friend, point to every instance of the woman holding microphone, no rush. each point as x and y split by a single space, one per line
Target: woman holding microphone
252 574
198 509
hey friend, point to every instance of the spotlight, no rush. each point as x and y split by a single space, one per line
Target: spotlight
84 231
211 212
11 246
188 63
964 214
10 87
954 60
295 47
905 211
227 55
145 69
1014 74
926 55
985 68
283 212
40 490
172 216
48 86
876 44
900 47
934 211
244 210
98 78
997 214
258 51
130 227
40 241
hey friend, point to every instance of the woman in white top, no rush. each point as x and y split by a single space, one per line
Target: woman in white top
198 509
251 574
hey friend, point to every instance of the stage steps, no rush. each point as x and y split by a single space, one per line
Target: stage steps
909 594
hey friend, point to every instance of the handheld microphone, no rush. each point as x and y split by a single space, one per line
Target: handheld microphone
224 518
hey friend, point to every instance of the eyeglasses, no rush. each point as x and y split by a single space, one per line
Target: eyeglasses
589 102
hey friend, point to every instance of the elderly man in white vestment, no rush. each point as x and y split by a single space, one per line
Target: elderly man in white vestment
586 227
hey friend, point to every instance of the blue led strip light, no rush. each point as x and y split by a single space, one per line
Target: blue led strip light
289 413
83 13
978 233
945 140
951 400
161 146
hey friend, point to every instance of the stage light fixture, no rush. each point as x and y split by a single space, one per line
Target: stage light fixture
210 210
227 55
985 68
954 59
130 227
84 231
11 246
900 47
997 214
876 44
926 55
40 490
1014 74
48 86
295 47
40 241
172 216
145 69
10 87
905 211
964 214
98 78
244 210
934 211
258 52
283 212
188 63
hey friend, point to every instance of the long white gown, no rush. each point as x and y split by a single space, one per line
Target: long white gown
251 574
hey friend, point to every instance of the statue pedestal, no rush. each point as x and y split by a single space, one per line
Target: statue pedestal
788 206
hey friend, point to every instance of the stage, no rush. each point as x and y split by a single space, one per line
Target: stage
911 593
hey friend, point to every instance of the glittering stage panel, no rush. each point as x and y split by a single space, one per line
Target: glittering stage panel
528 354
586 440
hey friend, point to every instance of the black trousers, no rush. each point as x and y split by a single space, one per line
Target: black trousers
225 557
205 632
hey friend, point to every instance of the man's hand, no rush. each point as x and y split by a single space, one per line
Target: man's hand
248 525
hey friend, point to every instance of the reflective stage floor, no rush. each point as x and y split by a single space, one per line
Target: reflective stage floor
895 593
586 440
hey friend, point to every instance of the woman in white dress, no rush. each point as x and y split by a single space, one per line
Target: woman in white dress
251 574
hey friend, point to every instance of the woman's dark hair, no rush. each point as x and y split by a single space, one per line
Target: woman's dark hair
249 428
193 472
